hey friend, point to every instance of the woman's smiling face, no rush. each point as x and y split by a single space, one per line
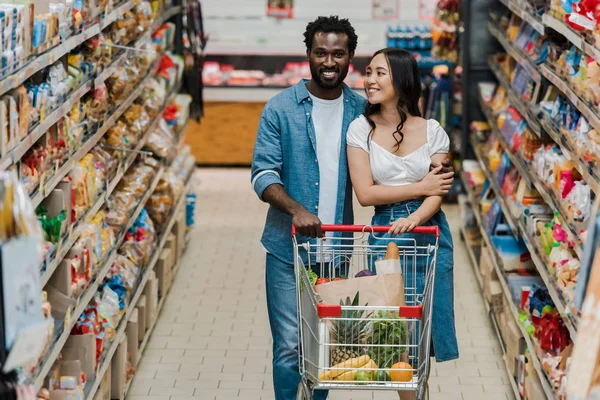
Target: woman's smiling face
378 82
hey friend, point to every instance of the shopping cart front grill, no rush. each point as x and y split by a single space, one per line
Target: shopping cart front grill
352 345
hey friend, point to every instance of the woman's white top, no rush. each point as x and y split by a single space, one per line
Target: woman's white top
389 169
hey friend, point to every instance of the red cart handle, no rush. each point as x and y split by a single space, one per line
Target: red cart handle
423 230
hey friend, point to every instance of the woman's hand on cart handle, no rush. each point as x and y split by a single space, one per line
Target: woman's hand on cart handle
404 225
307 224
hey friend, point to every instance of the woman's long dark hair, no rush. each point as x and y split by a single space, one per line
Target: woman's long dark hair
406 79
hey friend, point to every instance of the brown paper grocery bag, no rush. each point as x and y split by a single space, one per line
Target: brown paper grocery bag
379 290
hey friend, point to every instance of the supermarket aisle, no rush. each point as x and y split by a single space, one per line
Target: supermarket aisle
212 339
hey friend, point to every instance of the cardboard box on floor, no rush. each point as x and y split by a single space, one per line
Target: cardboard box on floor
119 370
132 333
171 246
163 267
82 348
533 386
142 323
515 345
104 392
151 293
179 230
486 266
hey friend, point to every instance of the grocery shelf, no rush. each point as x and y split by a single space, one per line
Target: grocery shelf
488 308
82 303
569 93
532 179
164 17
92 386
91 290
515 52
516 161
519 230
568 317
550 394
15 155
572 36
510 218
526 15
65 245
116 13
51 56
46 187
516 101
587 171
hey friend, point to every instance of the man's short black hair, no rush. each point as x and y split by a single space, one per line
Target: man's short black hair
332 24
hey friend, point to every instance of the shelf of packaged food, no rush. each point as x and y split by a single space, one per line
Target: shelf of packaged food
81 304
116 13
516 161
164 17
570 94
66 244
492 317
496 261
107 357
515 52
51 56
510 219
519 231
557 298
572 36
477 273
47 185
587 171
85 298
521 106
519 9
532 180
38 131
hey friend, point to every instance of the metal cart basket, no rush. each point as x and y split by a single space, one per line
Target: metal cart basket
354 346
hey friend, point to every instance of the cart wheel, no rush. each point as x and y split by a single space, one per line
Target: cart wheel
304 391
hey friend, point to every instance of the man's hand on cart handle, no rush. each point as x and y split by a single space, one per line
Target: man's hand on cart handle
307 224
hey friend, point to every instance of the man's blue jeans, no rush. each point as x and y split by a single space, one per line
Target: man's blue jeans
283 309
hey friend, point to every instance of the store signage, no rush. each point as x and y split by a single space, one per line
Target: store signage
386 9
280 9
427 9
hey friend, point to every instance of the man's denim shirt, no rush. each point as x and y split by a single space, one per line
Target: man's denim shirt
285 154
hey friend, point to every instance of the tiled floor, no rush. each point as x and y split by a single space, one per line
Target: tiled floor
212 340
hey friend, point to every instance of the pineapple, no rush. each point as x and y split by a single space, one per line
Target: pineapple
353 328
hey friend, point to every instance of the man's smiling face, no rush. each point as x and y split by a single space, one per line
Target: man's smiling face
329 59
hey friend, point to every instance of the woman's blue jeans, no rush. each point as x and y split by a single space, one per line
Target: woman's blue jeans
445 345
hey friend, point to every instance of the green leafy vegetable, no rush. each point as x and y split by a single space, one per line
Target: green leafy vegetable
388 329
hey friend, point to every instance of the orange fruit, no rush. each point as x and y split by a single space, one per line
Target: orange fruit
401 372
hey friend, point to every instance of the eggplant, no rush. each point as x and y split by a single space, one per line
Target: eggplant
364 272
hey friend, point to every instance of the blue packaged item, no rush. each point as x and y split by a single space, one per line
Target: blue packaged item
517 283
190 209
512 251
391 40
410 38
401 39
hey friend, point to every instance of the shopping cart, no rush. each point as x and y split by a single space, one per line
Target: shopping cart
358 336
